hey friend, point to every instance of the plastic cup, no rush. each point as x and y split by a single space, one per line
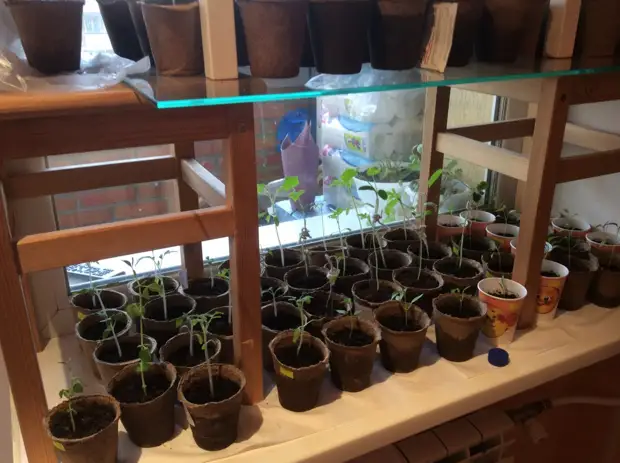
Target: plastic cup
550 291
500 323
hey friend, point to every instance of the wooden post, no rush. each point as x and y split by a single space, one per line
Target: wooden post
19 352
435 121
191 256
241 196
538 196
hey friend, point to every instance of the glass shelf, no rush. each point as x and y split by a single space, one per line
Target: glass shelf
182 92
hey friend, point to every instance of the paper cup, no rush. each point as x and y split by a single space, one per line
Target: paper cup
502 234
502 316
550 291
449 226
478 221
578 228
602 243
513 247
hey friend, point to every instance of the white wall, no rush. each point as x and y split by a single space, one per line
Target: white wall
596 200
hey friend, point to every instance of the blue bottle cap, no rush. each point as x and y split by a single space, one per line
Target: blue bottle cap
498 357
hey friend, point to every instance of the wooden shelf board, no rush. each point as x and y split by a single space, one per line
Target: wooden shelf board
588 166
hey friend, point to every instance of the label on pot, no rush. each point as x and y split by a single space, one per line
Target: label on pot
440 37
59 446
286 372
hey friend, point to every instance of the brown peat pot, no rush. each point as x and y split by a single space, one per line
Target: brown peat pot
214 418
352 345
387 261
106 355
302 281
351 270
120 28
322 308
466 29
275 32
135 11
271 287
171 286
431 253
96 423
160 325
281 317
339 47
91 329
455 276
174 36
221 328
361 250
318 254
176 352
299 370
208 293
402 335
397 34
370 294
147 417
87 303
273 262
499 264
400 238
476 247
581 273
417 282
506 26
605 289
458 320
50 32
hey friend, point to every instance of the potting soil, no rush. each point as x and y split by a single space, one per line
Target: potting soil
89 419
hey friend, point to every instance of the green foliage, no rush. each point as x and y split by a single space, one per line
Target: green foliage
75 387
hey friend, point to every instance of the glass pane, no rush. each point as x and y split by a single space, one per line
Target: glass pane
179 92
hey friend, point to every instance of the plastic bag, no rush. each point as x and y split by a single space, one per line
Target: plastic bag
96 71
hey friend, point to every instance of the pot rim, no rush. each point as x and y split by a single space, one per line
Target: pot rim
124 331
414 307
184 292
168 368
316 342
218 347
104 290
470 262
101 345
154 300
551 266
438 278
406 257
373 327
477 301
219 367
486 217
511 285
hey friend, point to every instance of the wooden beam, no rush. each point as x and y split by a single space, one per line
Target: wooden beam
86 244
541 180
81 177
204 183
46 136
492 157
520 89
591 138
594 88
500 130
589 165
435 121
244 249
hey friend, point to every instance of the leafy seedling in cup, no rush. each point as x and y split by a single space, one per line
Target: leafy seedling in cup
401 296
92 290
332 276
273 292
335 215
288 186
348 312
110 330
346 181
462 292
503 291
76 387
298 334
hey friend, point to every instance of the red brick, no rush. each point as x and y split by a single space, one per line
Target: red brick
142 209
94 216
65 203
107 196
149 190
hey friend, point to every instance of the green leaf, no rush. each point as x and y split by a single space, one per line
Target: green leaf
382 194
295 195
433 178
373 171
366 188
144 355
77 386
81 316
296 335
276 220
260 188
347 176
134 310
179 322
289 183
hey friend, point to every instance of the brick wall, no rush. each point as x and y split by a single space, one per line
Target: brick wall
133 201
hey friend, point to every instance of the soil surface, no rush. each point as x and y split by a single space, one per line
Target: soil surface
181 357
450 225
320 306
314 280
129 389
284 321
174 311
354 338
221 326
265 286
475 220
454 308
397 323
504 294
549 274
144 282
350 271
392 261
465 271
410 279
204 288
109 301
308 356
371 294
198 391
95 332
475 245
275 260
110 354
433 253
89 419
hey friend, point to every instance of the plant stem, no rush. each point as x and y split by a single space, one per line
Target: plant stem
191 339
323 229
357 213
420 260
142 344
208 360
163 290
109 323
71 413
280 246
275 305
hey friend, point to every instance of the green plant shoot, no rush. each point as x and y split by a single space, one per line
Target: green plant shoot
401 296
75 387
273 292
346 181
298 334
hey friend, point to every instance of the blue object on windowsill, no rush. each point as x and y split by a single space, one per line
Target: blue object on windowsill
498 357
291 124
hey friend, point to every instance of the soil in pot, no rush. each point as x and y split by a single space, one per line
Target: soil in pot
431 253
322 308
500 264
96 429
162 325
95 331
353 346
222 329
458 320
475 247
275 32
367 296
317 254
339 47
430 284
177 352
171 286
402 335
351 270
466 29
120 29
397 34
300 370
400 239
208 293
388 261
86 304
450 266
273 262
174 36
580 276
305 281
359 251
108 361
215 416
147 414
286 318
271 287
50 49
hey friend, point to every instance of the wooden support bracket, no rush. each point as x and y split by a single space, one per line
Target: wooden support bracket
590 138
494 131
203 182
589 165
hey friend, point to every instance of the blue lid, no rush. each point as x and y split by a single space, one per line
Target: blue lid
498 357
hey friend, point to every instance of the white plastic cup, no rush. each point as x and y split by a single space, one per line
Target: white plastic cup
502 316
550 291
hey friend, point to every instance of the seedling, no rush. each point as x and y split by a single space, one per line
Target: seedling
288 187
274 294
346 181
318 207
74 388
462 292
401 296
335 215
332 276
157 286
110 330
298 334
348 311
420 214
304 235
